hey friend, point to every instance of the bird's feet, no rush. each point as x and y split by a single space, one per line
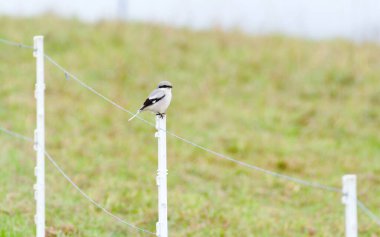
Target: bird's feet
162 115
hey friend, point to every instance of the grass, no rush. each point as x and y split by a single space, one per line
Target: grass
303 108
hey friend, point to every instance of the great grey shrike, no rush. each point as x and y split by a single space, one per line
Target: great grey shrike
158 101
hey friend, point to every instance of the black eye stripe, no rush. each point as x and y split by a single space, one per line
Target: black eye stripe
165 86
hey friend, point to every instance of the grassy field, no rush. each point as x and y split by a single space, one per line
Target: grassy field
302 108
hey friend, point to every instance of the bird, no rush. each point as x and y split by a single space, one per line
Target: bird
158 101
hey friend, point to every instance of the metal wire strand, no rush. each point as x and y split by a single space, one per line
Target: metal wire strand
278 175
15 44
72 76
368 212
92 200
272 173
361 205
60 170
268 172
16 135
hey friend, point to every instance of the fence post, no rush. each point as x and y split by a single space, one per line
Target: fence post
350 201
162 224
39 137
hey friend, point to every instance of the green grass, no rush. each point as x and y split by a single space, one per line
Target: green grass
303 108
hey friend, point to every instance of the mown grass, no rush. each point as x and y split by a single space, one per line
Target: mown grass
303 108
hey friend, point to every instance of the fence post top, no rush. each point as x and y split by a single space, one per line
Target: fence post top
349 177
38 37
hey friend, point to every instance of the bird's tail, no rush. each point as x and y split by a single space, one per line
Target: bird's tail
137 113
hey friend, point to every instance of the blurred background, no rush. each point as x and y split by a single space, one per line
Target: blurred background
290 86
351 19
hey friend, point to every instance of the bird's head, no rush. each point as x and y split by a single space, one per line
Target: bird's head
165 85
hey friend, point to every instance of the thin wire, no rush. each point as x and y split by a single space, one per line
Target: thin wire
269 172
70 75
278 175
361 205
16 135
92 200
28 139
368 212
15 44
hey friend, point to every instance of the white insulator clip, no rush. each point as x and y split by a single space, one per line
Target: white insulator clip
158 229
35 52
39 88
158 180
35 140
344 198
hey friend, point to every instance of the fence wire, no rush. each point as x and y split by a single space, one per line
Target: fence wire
16 135
92 200
12 43
360 204
368 212
68 75
60 170
268 172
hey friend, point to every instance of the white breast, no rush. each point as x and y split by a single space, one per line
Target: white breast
162 105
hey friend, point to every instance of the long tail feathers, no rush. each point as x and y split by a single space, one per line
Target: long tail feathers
137 113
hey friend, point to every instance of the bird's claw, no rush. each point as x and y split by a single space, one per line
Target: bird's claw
161 115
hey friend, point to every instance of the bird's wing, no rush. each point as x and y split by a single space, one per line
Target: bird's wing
156 94
153 98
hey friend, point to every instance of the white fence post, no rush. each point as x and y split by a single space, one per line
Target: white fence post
350 201
39 137
162 224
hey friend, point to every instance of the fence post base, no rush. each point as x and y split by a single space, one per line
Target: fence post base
162 224
349 199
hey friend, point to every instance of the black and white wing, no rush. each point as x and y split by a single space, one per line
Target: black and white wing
153 98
